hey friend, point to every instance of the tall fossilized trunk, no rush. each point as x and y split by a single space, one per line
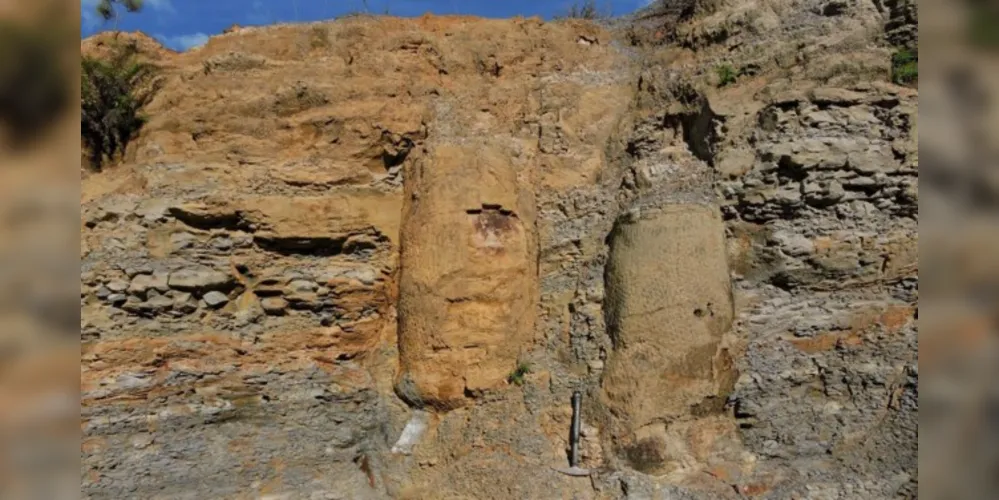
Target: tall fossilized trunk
669 303
468 275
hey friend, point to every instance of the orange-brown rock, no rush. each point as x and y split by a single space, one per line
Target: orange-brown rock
468 283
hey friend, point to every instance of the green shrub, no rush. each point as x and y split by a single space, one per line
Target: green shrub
726 74
114 90
905 67
319 37
587 9
516 377
108 11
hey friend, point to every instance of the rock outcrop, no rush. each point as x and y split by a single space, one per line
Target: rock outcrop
374 257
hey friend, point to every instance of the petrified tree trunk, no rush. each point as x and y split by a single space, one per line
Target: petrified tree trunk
468 284
668 305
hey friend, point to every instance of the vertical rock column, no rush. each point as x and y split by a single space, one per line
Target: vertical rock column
668 305
468 284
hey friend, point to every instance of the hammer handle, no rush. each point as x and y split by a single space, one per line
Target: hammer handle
577 400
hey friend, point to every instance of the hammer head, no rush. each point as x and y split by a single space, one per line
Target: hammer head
573 471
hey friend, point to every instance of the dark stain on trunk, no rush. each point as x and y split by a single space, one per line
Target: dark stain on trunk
492 218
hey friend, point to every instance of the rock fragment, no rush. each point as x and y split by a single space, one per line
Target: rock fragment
274 306
142 283
200 280
215 299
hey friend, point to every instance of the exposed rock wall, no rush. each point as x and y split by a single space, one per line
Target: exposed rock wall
322 262
902 28
226 316
830 373
818 173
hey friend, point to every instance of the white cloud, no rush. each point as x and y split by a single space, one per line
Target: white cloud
183 42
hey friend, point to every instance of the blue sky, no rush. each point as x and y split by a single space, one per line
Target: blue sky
182 24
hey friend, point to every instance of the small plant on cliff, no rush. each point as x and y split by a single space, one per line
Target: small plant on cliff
587 9
113 91
726 74
106 9
516 377
319 38
905 67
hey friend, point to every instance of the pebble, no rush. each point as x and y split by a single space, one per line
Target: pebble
142 283
215 299
157 303
327 320
222 243
194 280
141 441
792 244
180 241
242 240
183 302
302 286
274 306
137 270
366 276
332 274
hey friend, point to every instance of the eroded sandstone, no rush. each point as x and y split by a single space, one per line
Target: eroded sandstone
468 275
668 306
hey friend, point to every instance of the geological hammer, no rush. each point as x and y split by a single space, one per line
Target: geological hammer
577 410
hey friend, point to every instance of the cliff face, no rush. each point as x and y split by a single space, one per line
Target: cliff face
323 261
